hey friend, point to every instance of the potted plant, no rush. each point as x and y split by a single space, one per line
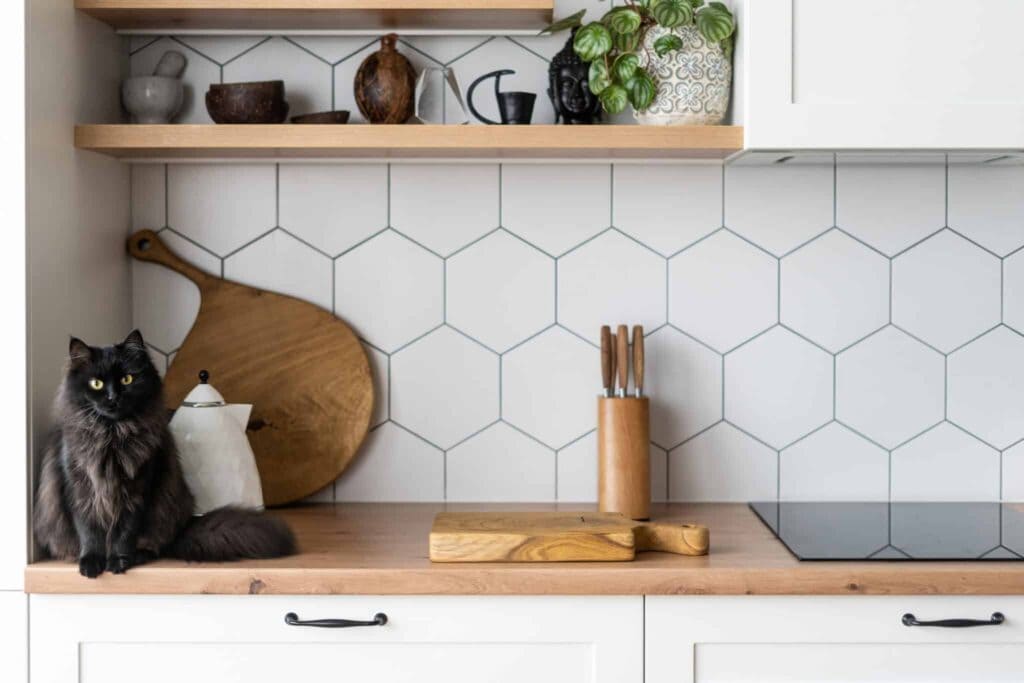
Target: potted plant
670 59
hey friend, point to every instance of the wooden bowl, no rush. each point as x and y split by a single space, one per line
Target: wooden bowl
258 102
335 117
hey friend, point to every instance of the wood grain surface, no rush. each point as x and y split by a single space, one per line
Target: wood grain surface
302 369
381 549
556 537
623 455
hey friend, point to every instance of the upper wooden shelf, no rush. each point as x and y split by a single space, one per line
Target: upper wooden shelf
323 15
410 141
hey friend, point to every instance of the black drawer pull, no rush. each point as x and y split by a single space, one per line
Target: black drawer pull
996 619
292 619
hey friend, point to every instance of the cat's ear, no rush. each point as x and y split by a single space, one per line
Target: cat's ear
134 341
79 352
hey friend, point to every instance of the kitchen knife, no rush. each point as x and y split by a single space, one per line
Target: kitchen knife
607 361
638 359
622 358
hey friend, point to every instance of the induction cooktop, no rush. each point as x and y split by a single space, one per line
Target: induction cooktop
897 531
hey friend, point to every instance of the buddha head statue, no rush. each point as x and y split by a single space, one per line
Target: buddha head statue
569 88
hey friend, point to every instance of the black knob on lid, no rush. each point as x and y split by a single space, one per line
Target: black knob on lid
204 377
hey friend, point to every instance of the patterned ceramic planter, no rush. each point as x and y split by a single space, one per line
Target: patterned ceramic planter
694 82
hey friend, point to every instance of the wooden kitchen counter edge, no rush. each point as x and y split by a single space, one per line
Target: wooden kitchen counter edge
381 549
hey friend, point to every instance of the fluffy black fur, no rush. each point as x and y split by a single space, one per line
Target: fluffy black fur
111 491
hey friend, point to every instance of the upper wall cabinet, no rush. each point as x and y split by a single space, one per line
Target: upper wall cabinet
883 74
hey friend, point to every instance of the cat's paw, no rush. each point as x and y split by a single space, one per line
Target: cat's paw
91 566
119 564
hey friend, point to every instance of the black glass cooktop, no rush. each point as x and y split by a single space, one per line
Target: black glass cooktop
897 531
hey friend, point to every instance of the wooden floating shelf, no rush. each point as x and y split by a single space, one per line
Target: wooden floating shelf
409 141
323 15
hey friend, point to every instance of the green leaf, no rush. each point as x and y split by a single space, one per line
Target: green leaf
598 77
714 24
614 98
696 4
622 20
626 42
625 66
592 41
720 6
571 21
667 43
641 89
672 13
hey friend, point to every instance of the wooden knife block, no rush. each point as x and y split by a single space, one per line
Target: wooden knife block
623 456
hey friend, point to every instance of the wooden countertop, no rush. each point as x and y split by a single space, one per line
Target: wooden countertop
381 549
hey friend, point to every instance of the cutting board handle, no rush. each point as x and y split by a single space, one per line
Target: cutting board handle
681 539
145 245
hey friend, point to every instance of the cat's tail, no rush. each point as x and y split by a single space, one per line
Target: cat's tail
231 533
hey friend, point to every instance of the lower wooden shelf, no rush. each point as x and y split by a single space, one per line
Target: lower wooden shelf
409 141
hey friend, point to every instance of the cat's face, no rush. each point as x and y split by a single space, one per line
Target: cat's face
114 382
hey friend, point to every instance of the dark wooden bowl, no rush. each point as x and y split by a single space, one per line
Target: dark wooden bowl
335 117
258 102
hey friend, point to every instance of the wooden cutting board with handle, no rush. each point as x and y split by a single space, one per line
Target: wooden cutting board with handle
557 537
302 369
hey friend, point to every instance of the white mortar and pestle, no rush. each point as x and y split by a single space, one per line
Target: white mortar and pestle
156 99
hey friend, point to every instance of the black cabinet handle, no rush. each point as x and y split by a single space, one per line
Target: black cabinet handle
996 619
292 619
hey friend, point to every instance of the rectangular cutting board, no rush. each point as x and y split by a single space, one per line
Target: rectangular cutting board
556 537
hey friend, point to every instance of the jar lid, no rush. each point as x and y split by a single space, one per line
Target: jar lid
203 395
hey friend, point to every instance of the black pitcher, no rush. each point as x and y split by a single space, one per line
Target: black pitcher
514 107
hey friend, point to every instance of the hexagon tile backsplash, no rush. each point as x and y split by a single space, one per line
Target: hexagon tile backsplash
814 331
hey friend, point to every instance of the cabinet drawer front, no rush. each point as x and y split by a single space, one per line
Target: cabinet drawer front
849 638
219 639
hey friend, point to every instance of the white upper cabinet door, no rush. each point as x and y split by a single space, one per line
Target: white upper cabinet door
882 74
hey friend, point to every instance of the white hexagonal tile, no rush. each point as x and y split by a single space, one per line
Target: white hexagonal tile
946 291
335 49
324 495
577 472
556 206
986 203
723 291
834 464
199 73
778 387
393 466
165 304
500 464
220 48
390 290
221 206
158 358
444 206
307 80
380 368
1013 291
316 203
659 474
500 290
280 263
945 464
721 465
444 387
609 281
689 204
684 385
890 206
890 387
550 386
1013 474
986 387
779 207
149 196
835 291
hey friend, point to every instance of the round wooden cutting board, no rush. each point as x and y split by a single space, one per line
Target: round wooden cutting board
303 370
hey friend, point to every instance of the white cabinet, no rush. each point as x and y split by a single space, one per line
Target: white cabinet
753 639
882 74
228 639
13 636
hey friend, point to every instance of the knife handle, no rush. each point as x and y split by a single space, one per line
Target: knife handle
638 359
622 352
607 360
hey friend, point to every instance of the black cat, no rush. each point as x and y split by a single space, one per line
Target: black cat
111 491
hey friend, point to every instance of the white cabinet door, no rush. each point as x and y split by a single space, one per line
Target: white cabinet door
753 639
14 636
229 639
883 74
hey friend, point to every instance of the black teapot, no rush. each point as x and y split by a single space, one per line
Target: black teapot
515 108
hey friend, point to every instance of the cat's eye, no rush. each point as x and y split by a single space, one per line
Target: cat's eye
95 384
127 379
